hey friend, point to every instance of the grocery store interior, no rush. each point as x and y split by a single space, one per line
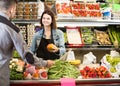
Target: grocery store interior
92 39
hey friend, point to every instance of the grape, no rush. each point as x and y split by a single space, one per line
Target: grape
113 70
113 60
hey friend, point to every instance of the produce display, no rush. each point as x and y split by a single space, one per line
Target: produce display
90 35
87 35
109 68
75 62
63 8
74 37
32 72
16 69
114 33
112 63
102 37
63 69
86 9
98 72
78 9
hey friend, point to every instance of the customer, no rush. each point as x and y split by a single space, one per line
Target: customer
48 34
11 37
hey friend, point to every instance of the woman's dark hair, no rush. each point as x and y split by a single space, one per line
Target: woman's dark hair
53 24
7 3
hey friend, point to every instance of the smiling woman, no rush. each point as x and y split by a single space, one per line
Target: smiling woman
49 34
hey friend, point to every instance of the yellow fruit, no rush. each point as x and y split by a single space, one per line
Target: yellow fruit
75 62
50 46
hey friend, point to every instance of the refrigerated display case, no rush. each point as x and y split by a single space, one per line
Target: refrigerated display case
99 50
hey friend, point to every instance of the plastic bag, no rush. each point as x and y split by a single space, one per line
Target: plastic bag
71 55
68 56
112 63
89 58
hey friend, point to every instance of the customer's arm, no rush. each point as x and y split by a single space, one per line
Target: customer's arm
25 53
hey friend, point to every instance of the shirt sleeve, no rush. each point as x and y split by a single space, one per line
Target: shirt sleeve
23 50
61 42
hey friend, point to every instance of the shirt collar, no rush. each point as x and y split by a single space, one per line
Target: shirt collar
4 15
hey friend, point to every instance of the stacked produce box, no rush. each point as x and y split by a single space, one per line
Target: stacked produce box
79 9
27 10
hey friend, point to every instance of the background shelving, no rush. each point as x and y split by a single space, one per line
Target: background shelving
74 21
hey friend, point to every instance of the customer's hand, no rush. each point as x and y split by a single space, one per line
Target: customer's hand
50 63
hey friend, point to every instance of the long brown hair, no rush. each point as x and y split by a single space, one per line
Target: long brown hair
53 24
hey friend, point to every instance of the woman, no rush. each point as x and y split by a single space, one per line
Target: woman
48 34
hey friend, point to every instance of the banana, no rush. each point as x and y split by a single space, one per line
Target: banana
75 62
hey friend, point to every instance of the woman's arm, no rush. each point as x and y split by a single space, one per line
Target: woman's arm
60 42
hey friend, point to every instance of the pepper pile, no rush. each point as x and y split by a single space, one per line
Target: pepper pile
99 72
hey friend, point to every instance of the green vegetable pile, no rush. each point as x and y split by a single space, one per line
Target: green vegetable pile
16 70
15 75
114 33
87 35
113 62
62 69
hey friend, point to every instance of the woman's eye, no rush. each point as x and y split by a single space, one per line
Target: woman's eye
48 18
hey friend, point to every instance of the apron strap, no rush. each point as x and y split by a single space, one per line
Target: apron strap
52 40
9 23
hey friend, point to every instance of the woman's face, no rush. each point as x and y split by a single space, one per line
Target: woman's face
46 20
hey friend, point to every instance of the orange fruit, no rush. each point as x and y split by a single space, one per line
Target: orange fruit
50 46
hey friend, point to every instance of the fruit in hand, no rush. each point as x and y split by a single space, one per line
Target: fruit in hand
51 47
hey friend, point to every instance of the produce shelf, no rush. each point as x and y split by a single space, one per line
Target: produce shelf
82 82
85 22
94 47
61 22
